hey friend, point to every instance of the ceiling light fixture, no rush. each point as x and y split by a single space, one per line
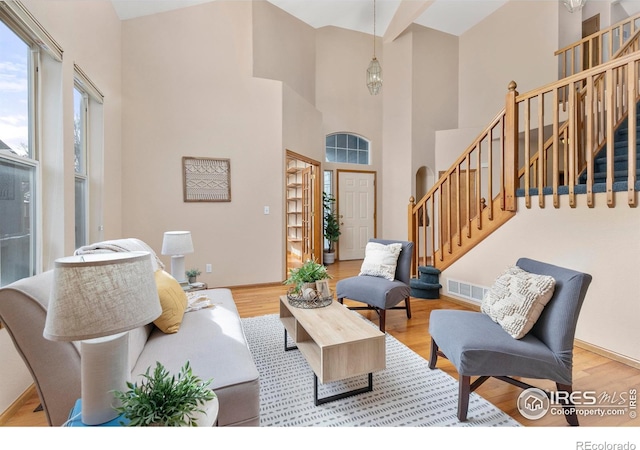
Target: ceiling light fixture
374 71
574 5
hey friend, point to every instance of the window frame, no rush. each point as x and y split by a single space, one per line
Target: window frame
82 175
93 99
30 161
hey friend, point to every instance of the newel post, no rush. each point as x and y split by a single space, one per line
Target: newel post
510 157
412 233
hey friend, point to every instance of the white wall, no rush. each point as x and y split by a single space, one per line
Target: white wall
435 94
397 137
601 241
420 97
490 60
342 58
189 91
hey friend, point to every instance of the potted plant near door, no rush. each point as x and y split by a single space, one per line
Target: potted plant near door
331 227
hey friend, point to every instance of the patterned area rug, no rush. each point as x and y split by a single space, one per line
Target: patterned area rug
406 393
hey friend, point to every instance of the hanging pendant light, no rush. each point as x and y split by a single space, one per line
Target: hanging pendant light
374 71
574 5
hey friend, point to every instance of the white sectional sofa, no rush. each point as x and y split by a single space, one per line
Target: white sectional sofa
211 339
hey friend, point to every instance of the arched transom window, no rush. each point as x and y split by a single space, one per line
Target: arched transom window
347 148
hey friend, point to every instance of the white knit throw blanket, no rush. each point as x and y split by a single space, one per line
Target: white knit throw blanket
121 245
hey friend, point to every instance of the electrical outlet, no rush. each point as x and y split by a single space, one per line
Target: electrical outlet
208 268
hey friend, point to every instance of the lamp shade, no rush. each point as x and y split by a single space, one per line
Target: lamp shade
99 295
177 243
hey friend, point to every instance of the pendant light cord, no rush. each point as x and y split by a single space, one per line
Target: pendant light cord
374 28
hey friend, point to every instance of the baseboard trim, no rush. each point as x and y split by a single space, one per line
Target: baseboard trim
252 286
608 354
13 409
461 302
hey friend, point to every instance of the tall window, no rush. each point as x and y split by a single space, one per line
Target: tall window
80 109
18 164
347 148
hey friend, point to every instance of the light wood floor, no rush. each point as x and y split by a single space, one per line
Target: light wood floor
591 371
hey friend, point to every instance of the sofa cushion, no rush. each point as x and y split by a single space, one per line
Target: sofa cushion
173 300
213 341
380 260
516 300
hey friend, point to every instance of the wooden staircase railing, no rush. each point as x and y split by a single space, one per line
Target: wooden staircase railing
583 132
597 48
631 45
477 194
455 215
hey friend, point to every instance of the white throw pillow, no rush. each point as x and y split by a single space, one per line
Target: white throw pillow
516 300
380 260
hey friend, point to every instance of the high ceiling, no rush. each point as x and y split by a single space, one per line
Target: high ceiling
450 16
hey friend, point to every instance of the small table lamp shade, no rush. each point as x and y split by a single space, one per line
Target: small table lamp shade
95 299
177 244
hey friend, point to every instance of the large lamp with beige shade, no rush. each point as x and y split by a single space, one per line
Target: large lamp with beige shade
96 299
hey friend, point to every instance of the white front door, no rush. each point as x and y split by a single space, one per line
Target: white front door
356 212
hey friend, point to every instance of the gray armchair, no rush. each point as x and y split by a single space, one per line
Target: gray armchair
379 293
477 346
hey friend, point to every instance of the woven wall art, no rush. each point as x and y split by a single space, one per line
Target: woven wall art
206 179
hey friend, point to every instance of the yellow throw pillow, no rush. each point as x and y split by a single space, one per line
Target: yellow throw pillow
173 301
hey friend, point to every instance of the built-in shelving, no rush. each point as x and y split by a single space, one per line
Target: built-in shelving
294 205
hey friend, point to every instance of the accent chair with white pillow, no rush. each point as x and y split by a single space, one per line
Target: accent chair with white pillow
383 281
526 329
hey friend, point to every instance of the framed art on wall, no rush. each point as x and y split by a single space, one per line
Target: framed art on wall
206 179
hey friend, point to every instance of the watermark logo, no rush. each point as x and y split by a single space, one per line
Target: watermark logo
533 403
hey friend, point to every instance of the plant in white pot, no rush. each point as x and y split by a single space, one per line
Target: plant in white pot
162 399
331 227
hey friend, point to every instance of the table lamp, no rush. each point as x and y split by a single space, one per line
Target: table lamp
96 299
177 244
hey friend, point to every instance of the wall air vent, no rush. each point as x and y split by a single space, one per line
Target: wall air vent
466 290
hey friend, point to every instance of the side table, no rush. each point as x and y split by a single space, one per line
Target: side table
208 418
75 418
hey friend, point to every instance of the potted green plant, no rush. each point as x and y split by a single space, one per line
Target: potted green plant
309 272
192 274
162 399
331 227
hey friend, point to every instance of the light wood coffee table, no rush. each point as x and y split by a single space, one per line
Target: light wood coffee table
336 342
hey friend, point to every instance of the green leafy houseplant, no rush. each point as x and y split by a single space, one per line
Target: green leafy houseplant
331 224
192 273
309 272
164 399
